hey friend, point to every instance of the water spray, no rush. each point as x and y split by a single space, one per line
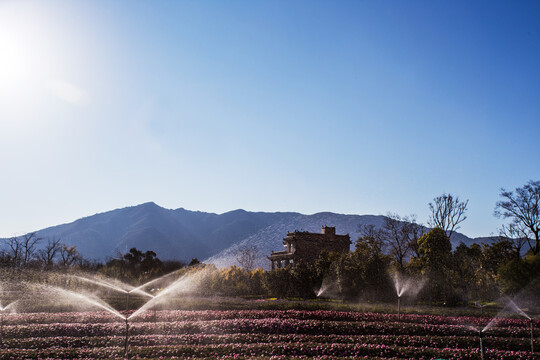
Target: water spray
184 284
2 311
478 305
114 287
517 309
401 287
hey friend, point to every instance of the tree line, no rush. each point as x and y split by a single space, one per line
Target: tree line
402 247
509 264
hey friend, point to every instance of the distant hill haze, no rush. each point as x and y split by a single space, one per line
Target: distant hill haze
183 234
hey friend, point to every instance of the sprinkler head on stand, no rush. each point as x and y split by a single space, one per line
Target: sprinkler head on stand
482 351
532 335
126 344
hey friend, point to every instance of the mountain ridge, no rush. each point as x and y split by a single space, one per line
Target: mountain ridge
185 234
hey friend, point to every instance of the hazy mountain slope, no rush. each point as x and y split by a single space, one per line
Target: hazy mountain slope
145 226
182 234
221 231
270 238
172 234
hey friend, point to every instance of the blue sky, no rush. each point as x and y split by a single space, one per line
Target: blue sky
362 107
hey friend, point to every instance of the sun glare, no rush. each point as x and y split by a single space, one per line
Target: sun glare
22 55
32 62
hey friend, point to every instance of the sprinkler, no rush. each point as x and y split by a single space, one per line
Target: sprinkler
120 288
2 311
399 307
2 327
532 336
155 313
126 343
478 305
482 351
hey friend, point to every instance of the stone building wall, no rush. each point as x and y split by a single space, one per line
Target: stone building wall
306 246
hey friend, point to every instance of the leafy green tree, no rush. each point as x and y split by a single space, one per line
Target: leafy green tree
323 264
278 282
143 266
465 264
303 280
366 269
256 283
435 259
347 276
521 275
134 266
234 281
496 254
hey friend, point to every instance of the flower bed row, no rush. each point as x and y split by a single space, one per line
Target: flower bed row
258 326
185 315
261 349
260 335
519 344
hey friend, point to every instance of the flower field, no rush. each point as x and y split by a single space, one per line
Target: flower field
262 334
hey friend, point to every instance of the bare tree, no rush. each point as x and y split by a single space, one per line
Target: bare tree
22 249
523 207
29 244
396 234
246 256
401 235
447 213
371 232
49 252
372 235
516 234
416 231
68 255
15 251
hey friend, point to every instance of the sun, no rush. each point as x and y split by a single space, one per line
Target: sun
17 58
27 52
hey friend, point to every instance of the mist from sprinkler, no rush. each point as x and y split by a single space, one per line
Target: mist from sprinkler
3 309
76 296
322 290
405 285
518 310
325 286
514 308
123 288
481 339
184 284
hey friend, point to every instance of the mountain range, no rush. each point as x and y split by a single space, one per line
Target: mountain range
183 234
